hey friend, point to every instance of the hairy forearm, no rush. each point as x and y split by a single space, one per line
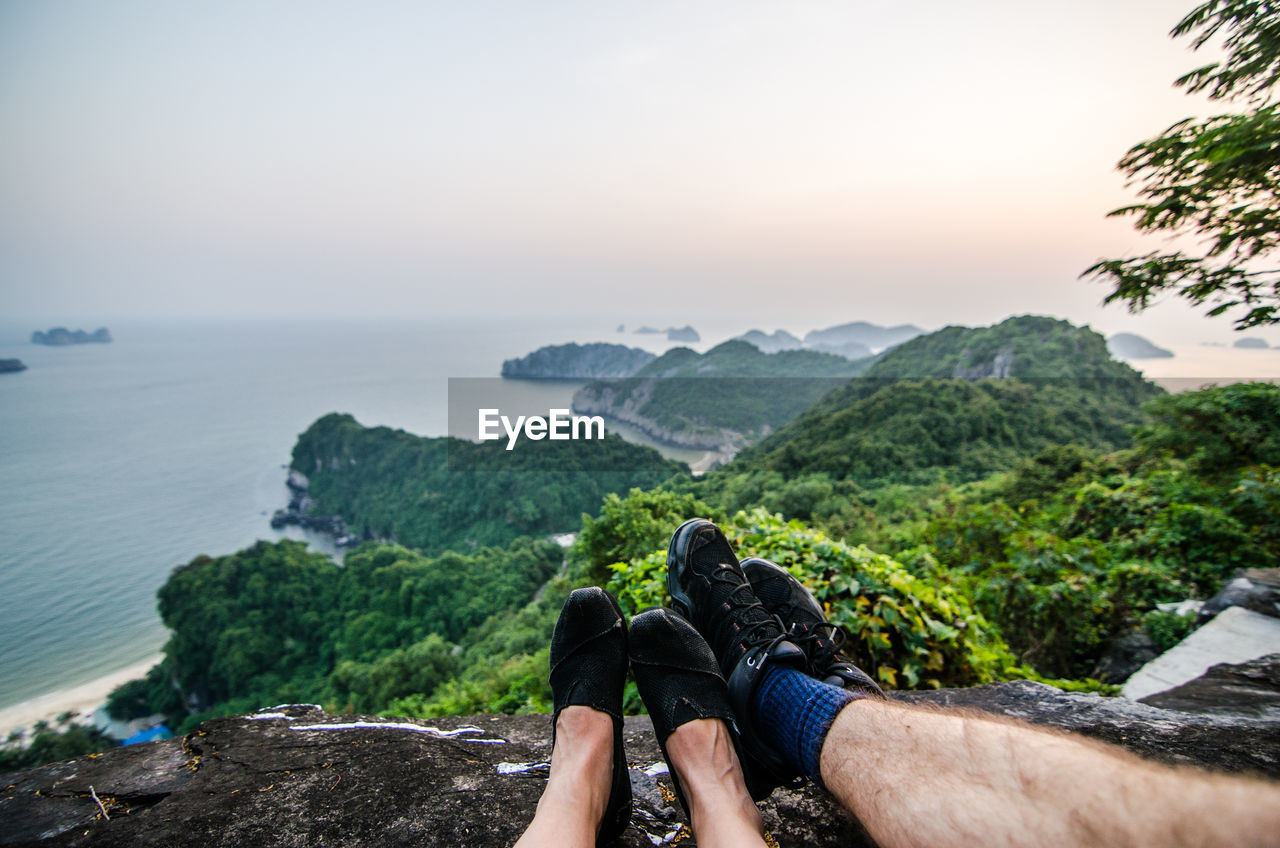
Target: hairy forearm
920 776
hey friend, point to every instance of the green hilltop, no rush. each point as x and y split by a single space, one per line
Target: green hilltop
931 409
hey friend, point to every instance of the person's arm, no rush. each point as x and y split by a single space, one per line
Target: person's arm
927 776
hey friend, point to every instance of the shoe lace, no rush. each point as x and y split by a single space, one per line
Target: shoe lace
765 627
823 655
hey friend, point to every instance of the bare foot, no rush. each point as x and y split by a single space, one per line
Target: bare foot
573 804
722 811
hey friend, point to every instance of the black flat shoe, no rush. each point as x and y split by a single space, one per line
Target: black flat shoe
588 669
679 681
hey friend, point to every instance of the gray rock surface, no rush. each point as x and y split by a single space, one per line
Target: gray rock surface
1255 589
1250 688
297 776
1235 635
11 366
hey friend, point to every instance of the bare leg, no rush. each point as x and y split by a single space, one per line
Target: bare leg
918 776
722 811
577 792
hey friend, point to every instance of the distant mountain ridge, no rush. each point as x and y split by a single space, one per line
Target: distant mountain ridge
864 333
855 340
770 342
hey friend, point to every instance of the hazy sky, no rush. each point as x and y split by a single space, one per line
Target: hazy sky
789 163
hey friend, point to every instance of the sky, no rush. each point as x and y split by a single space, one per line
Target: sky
777 164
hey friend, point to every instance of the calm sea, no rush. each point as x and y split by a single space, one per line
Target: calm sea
120 461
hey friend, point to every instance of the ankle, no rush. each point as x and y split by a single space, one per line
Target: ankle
704 759
581 765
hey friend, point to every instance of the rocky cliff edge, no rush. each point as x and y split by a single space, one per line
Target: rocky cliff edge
294 775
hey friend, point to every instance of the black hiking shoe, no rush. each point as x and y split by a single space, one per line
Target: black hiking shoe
708 588
802 615
589 669
679 681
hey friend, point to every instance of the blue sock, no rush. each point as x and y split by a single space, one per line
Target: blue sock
793 713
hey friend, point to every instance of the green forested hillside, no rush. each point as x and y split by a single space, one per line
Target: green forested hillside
439 493
1035 347
892 426
922 431
732 389
276 623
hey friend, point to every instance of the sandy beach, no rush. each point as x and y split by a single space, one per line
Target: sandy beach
83 699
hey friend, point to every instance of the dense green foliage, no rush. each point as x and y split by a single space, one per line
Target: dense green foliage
1215 179
937 430
276 623
440 493
905 631
50 744
738 388
1218 431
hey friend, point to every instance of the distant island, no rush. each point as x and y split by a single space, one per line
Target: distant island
11 366
1133 346
674 334
62 336
596 361
1252 343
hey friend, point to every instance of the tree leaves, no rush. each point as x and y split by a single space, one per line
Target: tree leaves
1216 180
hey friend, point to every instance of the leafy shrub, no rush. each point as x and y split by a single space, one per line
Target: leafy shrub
1167 629
907 632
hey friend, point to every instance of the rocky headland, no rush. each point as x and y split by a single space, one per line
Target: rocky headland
297 514
295 775
11 366
60 336
596 361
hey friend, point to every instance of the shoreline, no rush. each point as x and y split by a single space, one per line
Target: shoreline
82 699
